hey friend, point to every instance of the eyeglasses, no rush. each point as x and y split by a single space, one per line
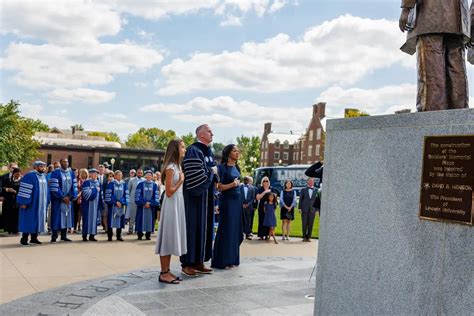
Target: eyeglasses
265 181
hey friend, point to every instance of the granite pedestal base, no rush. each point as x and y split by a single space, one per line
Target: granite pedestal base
376 256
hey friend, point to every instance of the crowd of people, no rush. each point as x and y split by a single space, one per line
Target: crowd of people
187 197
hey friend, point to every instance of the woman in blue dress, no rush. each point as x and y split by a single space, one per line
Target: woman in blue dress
226 253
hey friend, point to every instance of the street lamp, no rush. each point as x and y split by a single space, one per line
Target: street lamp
112 161
279 162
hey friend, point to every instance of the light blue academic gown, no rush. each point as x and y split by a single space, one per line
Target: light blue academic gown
146 192
116 192
91 198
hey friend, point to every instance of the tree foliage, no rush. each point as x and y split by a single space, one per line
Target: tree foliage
77 127
16 134
188 139
150 138
109 136
249 150
218 147
354 113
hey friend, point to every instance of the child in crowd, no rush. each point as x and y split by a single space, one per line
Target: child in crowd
270 218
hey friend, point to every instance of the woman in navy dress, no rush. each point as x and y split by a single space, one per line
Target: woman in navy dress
226 253
262 197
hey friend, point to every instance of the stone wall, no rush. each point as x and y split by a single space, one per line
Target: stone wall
376 256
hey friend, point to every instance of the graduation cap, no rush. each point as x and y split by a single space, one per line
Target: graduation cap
93 170
38 163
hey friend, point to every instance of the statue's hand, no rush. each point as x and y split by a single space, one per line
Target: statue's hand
403 22
469 44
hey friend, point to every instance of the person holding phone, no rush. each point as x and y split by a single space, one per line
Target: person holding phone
226 252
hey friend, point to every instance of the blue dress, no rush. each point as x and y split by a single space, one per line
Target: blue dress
230 231
270 218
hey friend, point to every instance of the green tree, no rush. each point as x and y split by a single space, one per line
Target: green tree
249 153
77 127
154 137
138 140
218 147
109 136
37 125
323 145
354 113
16 134
188 139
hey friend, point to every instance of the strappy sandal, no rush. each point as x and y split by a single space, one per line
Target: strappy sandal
175 281
177 278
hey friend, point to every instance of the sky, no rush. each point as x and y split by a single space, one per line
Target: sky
118 65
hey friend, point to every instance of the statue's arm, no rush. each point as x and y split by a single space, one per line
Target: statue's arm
409 4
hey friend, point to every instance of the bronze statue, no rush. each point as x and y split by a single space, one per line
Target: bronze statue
439 30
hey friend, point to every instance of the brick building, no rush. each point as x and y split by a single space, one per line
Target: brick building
85 151
294 148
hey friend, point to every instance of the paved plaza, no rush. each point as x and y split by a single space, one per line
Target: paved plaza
122 279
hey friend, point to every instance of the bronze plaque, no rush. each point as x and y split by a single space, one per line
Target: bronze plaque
447 179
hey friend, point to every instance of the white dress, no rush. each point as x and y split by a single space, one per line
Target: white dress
171 237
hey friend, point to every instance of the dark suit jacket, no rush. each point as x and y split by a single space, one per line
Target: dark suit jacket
250 196
307 202
5 181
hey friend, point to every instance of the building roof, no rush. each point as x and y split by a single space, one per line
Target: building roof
73 140
282 137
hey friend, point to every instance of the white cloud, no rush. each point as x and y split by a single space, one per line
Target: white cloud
165 108
50 66
231 20
156 9
37 111
341 51
67 57
60 22
107 123
227 112
384 100
119 116
80 95
141 84
277 5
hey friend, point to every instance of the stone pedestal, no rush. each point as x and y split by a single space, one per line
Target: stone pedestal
376 256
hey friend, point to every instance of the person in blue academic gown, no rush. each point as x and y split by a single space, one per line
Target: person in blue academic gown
63 189
91 198
230 231
198 190
116 197
147 199
32 198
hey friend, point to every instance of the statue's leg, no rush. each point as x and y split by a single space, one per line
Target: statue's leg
456 79
431 73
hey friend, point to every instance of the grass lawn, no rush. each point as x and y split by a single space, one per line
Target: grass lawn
296 230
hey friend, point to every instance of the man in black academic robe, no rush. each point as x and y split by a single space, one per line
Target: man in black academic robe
198 190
